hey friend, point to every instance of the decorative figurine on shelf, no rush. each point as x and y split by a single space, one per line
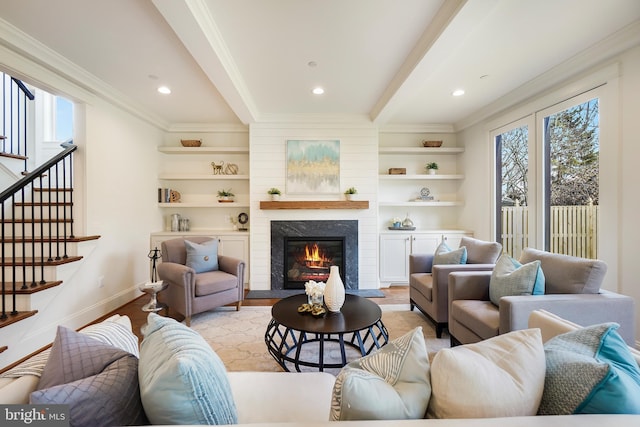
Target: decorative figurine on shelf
154 256
217 169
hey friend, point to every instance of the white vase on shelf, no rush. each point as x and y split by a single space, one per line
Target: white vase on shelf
334 293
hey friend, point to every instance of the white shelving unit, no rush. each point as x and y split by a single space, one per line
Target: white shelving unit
399 196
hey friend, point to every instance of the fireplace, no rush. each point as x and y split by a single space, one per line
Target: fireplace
332 242
309 258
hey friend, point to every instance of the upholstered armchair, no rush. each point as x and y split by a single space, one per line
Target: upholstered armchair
572 291
428 283
199 278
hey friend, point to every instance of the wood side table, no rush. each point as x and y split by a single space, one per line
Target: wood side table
358 324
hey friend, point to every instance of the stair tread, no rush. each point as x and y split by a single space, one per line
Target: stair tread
36 220
12 156
43 204
29 239
30 261
29 289
12 318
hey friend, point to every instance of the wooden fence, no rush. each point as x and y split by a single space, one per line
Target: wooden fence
574 230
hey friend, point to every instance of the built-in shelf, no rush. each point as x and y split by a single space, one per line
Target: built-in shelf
316 204
183 176
413 204
420 150
204 150
178 205
420 177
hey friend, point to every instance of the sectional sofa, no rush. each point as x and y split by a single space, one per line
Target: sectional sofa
174 367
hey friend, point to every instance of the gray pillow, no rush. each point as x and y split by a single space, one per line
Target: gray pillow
444 255
99 382
481 251
567 274
202 257
510 278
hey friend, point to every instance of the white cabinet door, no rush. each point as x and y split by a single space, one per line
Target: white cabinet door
394 258
424 243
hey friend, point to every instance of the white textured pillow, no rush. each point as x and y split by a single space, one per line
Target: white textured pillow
391 383
499 377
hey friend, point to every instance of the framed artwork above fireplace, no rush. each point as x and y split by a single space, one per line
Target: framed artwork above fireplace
313 166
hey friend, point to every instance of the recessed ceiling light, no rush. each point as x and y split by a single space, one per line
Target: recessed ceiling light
318 90
164 90
458 92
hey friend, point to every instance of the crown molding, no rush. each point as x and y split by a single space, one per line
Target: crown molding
44 60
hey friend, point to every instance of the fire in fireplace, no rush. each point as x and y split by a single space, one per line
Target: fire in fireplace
309 258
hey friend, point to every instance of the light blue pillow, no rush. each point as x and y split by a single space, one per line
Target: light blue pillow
182 380
510 278
202 257
444 255
391 383
590 371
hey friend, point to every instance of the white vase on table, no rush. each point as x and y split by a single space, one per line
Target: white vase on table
334 292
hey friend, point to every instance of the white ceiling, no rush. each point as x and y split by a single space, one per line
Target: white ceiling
389 61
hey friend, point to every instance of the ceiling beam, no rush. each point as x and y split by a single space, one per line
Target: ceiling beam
194 25
409 77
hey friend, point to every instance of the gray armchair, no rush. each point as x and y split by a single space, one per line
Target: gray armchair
428 283
191 293
572 291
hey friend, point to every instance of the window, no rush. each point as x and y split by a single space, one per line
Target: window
512 166
63 119
546 182
572 146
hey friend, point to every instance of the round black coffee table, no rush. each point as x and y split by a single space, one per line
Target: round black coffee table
358 324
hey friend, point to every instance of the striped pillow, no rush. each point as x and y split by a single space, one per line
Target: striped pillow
391 383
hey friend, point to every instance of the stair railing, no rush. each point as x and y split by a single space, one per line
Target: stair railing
39 204
14 123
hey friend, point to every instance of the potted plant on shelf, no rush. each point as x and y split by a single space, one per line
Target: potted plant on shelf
432 167
349 192
274 193
225 196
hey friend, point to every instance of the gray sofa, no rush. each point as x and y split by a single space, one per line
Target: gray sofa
428 283
572 291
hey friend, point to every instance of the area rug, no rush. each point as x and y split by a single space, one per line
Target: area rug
238 336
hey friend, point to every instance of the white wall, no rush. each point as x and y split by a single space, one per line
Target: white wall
358 168
619 174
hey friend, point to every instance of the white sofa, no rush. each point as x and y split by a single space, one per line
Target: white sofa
272 399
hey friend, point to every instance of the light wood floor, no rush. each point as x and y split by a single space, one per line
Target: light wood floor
393 295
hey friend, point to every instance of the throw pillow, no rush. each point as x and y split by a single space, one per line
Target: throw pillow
115 330
499 377
391 383
596 366
182 380
481 251
98 382
510 278
444 255
202 257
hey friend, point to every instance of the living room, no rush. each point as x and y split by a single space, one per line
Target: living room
119 158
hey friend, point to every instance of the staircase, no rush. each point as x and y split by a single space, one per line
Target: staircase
36 216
